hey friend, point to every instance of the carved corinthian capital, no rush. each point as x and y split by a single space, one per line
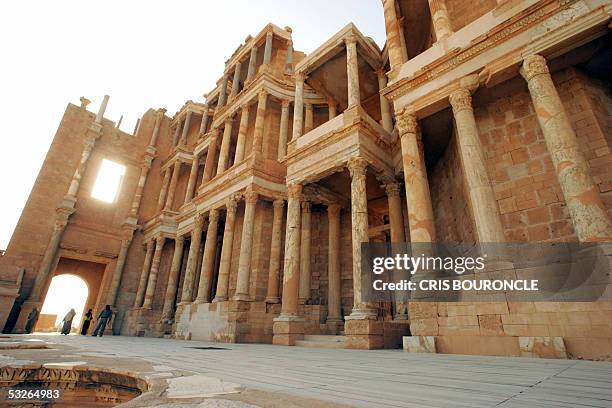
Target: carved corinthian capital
213 216
357 167
231 206
460 100
406 122
534 65
294 190
199 220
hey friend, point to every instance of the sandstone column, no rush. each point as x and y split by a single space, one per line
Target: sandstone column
226 251
352 71
116 279
193 174
393 34
385 109
581 194
487 219
395 212
150 292
268 48
304 290
289 58
284 121
252 61
236 80
186 128
334 296
192 258
440 18
359 217
246 247
332 108
242 130
144 275
204 122
222 92
163 192
289 327
308 119
173 279
225 145
418 199
210 156
258 133
298 105
173 183
177 133
275 252
208 258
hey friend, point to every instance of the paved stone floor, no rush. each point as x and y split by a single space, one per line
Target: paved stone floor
384 378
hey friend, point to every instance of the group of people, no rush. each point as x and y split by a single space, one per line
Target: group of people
66 325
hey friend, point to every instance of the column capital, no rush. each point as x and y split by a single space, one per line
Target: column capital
333 209
306 206
213 216
392 189
350 39
262 94
406 121
357 167
231 205
229 119
285 103
308 105
199 221
179 240
380 72
250 197
294 190
300 76
159 241
460 100
149 244
280 203
533 65
244 108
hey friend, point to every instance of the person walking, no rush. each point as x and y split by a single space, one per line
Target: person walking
103 319
87 322
32 318
67 322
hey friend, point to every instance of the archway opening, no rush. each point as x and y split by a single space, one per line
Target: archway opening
65 292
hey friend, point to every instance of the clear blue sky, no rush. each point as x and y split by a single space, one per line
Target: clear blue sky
142 53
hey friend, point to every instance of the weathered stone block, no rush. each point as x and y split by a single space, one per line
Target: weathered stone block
543 347
420 344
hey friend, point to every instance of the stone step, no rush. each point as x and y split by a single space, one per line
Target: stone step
321 341
324 337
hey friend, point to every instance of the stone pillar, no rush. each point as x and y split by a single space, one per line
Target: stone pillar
173 279
581 194
242 130
158 118
144 275
289 327
208 258
186 128
210 156
144 171
164 190
309 118
268 48
440 18
359 218
289 58
334 296
385 108
298 106
177 133
418 199
226 251
236 80
304 291
150 292
486 215
284 121
395 212
393 34
275 252
252 61
193 174
118 272
332 108
222 92
258 133
89 144
50 253
192 258
225 145
246 247
102 109
352 71
204 122
173 183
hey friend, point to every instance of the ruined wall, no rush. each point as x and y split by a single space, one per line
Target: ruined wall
464 12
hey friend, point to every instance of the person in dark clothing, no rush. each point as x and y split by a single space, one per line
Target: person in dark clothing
103 319
67 322
32 318
87 322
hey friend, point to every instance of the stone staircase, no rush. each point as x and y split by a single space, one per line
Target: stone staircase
322 341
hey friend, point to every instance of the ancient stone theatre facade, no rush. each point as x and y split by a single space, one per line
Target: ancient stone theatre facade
240 218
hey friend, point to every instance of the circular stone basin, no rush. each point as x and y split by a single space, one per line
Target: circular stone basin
79 386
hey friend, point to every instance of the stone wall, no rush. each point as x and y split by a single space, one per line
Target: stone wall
463 12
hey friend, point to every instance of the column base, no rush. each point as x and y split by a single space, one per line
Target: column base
365 334
334 325
219 299
272 300
287 330
241 296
